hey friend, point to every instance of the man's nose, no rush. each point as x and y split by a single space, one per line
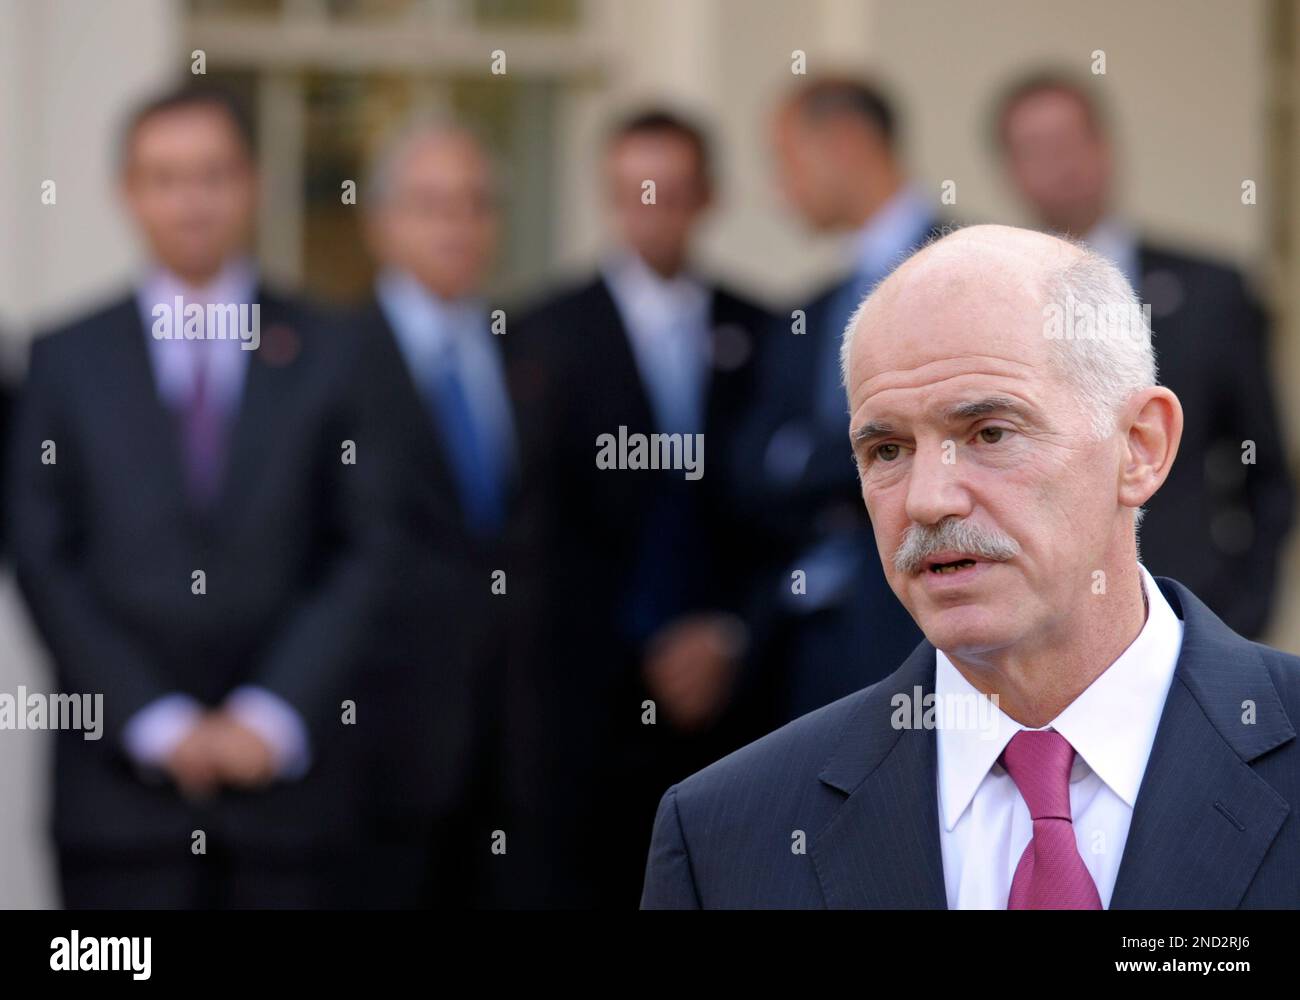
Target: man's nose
936 487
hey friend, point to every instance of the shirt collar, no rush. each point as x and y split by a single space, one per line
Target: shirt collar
236 282
1111 724
1117 242
421 320
891 233
638 287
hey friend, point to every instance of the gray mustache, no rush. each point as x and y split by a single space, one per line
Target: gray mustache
922 541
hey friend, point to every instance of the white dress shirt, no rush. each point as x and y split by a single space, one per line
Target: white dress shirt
984 823
174 360
1118 243
667 322
892 232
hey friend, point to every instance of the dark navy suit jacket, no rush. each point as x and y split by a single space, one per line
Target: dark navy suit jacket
1213 826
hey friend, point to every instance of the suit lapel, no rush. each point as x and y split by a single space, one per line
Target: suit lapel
620 368
1204 819
1143 256
416 422
516 459
727 385
153 427
881 848
266 388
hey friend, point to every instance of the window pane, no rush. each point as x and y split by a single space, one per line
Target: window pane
542 13
237 8
372 9
349 115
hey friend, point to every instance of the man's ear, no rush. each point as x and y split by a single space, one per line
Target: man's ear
1153 429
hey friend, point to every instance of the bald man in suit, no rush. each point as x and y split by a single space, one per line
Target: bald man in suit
1070 734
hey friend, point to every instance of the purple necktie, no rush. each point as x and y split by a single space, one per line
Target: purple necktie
203 430
1051 874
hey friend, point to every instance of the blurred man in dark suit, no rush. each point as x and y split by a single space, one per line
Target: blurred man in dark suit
837 625
648 577
1224 514
447 415
194 545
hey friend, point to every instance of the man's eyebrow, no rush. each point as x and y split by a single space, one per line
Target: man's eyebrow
871 430
968 410
975 408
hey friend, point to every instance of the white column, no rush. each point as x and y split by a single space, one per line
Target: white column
281 161
69 72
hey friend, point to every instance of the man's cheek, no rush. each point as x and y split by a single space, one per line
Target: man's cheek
875 497
886 546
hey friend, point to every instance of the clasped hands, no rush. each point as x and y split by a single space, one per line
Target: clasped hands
690 667
220 750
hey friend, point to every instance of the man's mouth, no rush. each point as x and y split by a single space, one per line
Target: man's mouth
953 566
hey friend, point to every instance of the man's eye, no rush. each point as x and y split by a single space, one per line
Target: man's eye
992 435
886 452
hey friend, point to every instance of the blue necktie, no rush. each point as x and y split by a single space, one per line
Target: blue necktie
474 459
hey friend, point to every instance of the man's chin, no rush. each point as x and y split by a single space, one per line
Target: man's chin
193 262
966 627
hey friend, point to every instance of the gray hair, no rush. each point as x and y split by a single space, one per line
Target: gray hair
377 186
1100 329
1103 341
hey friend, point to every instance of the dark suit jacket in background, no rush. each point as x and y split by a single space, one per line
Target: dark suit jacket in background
1217 524
453 752
105 543
628 551
1214 825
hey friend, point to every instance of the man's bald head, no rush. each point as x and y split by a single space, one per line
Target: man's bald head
1007 430
422 139
431 208
1082 313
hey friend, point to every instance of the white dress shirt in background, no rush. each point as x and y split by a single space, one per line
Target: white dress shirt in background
173 360
668 328
891 233
1119 244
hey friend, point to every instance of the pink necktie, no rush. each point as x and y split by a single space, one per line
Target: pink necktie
203 429
1051 874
